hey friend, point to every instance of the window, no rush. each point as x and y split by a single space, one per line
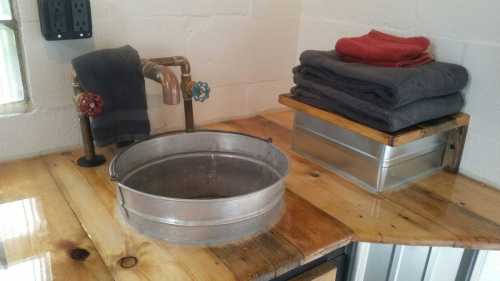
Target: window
12 91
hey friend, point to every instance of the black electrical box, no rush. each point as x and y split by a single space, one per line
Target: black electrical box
65 19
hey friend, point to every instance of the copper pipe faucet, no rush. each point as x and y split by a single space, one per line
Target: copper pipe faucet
167 78
199 91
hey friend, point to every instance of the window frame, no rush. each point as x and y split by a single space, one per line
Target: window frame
24 105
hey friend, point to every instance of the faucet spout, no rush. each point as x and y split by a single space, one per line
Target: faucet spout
166 77
152 69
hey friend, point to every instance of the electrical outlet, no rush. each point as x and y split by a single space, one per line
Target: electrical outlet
65 19
80 13
57 16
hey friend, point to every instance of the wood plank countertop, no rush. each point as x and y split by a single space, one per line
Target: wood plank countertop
61 221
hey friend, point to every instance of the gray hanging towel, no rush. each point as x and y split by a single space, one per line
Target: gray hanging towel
114 74
389 87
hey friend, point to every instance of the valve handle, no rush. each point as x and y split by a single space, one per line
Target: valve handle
201 91
89 104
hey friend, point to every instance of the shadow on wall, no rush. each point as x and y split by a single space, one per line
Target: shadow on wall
62 52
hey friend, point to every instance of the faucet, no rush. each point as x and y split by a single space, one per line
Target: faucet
199 91
154 69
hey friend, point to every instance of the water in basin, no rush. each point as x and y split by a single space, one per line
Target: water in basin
202 176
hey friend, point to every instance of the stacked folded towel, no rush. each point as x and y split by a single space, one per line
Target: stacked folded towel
378 48
385 98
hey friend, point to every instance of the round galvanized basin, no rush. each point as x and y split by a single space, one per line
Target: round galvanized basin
203 187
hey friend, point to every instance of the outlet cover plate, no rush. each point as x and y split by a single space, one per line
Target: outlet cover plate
65 19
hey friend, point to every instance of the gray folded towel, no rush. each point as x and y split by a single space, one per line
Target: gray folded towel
114 74
388 87
315 93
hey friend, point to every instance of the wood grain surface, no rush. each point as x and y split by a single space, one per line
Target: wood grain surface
380 217
39 231
295 240
324 272
76 207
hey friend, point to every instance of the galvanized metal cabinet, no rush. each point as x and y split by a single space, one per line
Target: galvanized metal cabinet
487 266
370 164
383 262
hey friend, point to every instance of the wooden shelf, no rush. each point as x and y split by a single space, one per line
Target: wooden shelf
396 139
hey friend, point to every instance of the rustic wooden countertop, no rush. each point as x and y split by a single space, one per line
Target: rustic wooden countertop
49 206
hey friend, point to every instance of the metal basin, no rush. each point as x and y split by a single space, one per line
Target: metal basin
203 187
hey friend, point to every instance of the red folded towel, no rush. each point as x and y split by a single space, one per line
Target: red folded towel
383 49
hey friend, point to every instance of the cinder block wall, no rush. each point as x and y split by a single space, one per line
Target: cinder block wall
243 48
464 32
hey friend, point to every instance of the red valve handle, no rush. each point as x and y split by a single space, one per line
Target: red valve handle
89 104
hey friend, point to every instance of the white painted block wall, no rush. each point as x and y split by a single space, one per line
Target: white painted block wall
464 32
243 48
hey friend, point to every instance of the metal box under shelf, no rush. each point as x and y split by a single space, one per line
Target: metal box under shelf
375 166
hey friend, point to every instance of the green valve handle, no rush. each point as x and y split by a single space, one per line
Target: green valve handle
201 91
